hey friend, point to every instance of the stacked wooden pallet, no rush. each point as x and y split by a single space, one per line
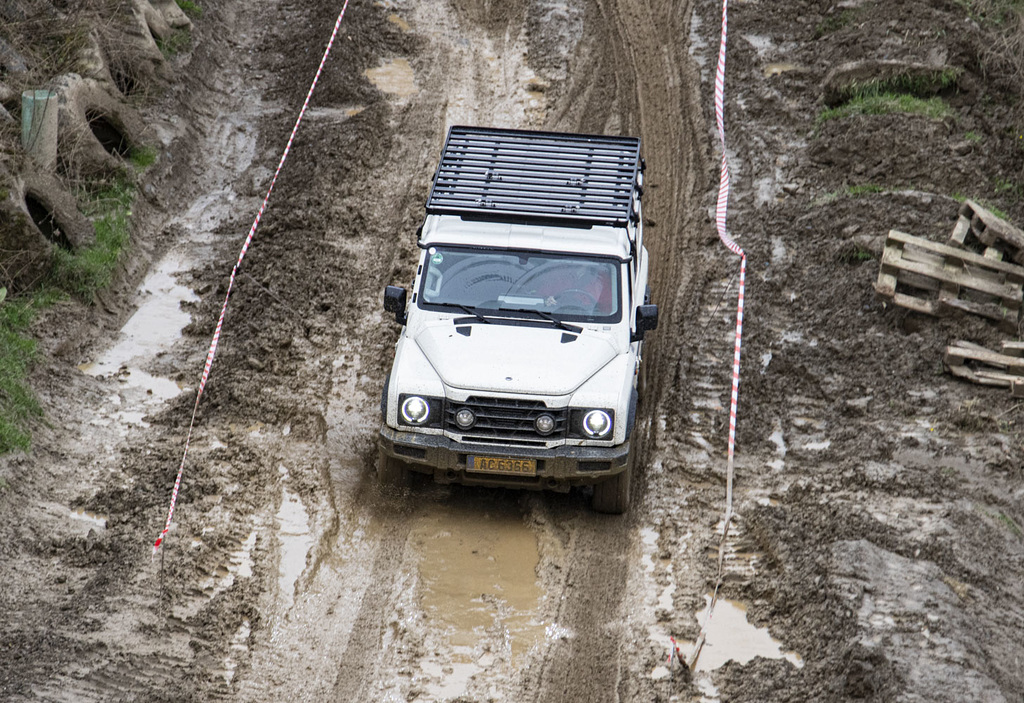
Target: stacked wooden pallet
979 271
939 279
978 364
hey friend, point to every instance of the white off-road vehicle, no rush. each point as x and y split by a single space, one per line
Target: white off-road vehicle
519 358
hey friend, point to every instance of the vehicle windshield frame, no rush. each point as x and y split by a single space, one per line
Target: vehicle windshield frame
530 305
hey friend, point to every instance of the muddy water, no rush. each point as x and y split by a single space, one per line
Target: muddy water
294 536
478 581
730 637
154 327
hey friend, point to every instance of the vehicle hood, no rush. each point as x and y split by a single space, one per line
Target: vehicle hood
507 358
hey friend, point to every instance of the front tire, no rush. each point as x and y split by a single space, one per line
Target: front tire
392 472
612 496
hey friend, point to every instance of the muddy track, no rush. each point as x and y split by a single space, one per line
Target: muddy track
368 581
878 501
289 573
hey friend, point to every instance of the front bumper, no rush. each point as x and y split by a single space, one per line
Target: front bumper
558 468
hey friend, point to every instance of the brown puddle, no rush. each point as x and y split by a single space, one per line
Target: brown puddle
775 69
730 637
478 572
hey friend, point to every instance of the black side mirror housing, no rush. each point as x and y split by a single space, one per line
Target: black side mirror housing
646 320
394 301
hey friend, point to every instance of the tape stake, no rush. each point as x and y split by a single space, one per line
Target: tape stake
234 274
721 211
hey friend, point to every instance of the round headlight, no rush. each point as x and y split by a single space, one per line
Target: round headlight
597 423
465 418
415 410
545 424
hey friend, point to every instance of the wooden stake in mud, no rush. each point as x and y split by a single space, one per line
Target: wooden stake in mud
721 212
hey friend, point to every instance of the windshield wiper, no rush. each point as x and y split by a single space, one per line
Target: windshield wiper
546 316
466 309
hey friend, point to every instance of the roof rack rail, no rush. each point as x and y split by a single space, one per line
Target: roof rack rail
506 173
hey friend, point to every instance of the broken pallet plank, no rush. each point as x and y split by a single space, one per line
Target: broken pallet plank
979 365
958 354
1013 348
985 229
984 378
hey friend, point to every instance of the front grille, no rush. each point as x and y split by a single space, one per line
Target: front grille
506 420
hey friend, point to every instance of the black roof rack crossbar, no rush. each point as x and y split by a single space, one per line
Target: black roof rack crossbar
588 179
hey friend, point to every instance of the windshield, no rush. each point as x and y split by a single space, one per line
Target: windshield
566 286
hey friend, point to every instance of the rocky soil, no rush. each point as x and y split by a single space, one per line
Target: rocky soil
879 538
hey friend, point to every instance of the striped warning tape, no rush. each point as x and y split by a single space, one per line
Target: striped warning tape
720 221
234 272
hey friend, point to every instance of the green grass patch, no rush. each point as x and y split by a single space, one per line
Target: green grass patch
853 253
17 403
1007 188
919 84
179 42
996 12
888 103
864 189
960 198
1011 524
142 157
193 10
835 22
972 137
84 272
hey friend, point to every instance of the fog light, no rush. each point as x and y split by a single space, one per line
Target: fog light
465 418
545 424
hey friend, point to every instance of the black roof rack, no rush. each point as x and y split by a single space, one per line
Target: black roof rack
507 173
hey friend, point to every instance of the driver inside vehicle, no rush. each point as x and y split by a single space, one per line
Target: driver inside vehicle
578 287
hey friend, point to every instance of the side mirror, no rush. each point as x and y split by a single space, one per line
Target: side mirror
646 320
394 301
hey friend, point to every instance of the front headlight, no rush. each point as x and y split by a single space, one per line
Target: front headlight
597 424
415 410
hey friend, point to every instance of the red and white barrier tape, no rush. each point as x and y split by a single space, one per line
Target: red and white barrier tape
721 211
234 273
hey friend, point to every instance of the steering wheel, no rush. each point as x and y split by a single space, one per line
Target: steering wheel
532 276
577 299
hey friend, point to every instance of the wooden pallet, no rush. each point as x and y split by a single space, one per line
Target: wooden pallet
976 363
985 233
938 279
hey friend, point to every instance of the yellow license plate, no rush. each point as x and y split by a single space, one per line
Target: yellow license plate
502 465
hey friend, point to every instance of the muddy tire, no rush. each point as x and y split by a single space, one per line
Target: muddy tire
612 496
392 472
